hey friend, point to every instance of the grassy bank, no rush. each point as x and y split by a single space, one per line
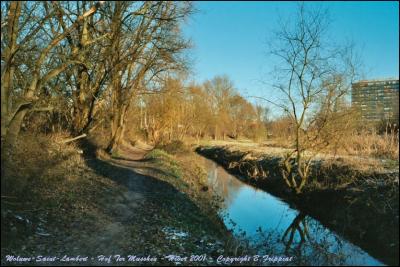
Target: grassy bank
359 203
57 201
181 170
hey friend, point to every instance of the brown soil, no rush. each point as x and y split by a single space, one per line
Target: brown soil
106 207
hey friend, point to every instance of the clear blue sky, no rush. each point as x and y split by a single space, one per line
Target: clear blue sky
231 38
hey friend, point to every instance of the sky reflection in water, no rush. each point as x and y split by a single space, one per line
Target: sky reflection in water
283 229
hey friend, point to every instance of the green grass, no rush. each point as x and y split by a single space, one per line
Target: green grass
166 161
390 164
157 154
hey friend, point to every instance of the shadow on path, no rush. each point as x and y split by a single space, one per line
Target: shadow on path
125 175
149 206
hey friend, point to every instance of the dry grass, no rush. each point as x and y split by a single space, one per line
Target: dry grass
373 145
385 146
364 151
28 162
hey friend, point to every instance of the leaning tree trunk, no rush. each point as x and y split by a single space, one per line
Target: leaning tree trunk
20 110
14 128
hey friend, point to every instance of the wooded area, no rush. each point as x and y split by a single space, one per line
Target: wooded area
86 65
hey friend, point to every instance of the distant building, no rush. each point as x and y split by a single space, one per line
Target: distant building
377 100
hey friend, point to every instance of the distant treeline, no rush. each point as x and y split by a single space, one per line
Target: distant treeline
213 109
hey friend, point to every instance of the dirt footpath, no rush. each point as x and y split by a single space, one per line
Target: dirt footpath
115 207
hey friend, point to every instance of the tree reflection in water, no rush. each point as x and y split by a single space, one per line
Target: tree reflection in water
310 243
271 227
222 183
296 226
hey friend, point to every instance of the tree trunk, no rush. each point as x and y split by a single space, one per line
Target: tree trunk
7 69
116 139
117 129
14 127
6 87
83 102
81 118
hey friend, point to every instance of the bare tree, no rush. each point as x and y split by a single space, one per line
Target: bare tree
147 44
89 45
32 35
221 89
8 51
310 69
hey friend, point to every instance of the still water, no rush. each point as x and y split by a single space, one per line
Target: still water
273 228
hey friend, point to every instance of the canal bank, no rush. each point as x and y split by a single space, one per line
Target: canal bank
361 207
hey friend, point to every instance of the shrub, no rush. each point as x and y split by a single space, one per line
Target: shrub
175 147
372 144
30 161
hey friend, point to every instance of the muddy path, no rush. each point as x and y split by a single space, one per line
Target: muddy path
149 216
114 207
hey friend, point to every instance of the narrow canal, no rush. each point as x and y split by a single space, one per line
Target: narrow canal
271 226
